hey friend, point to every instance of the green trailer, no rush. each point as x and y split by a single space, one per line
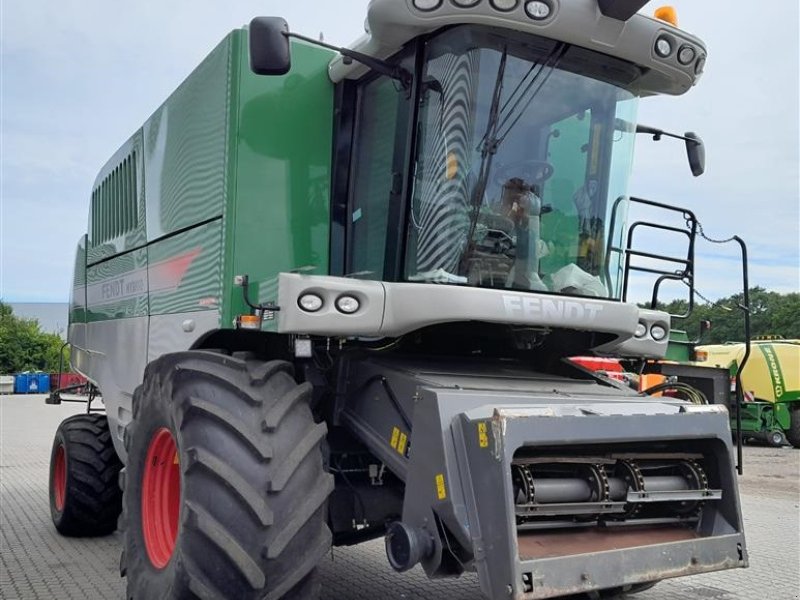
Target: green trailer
327 295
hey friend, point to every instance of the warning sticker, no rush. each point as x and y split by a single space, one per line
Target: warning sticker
441 491
401 444
395 438
483 435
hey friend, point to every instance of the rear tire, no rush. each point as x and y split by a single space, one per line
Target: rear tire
793 433
251 496
85 499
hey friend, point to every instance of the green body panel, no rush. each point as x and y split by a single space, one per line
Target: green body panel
277 218
761 417
77 297
117 288
680 348
185 144
231 175
184 270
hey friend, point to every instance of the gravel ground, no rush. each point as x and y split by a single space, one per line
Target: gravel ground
36 563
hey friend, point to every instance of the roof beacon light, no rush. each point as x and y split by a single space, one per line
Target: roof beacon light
538 10
427 5
668 14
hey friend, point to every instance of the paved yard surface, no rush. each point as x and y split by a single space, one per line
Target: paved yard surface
38 564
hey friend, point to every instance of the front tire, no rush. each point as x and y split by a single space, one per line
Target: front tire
85 499
224 489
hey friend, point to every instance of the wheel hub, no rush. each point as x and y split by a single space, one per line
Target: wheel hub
60 478
161 498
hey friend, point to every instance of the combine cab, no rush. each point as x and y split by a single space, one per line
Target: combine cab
328 295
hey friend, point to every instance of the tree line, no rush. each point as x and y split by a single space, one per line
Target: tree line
771 314
25 347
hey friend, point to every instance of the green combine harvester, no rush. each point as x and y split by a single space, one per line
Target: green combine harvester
327 294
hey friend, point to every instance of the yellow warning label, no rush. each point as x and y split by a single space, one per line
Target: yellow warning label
401 444
441 491
483 435
395 438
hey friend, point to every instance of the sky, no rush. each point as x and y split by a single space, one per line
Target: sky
78 77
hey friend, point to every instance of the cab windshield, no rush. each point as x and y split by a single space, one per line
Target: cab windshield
523 145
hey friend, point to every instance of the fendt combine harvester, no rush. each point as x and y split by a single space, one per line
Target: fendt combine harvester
326 296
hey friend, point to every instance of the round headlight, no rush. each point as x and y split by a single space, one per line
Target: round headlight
427 4
505 5
641 330
698 66
309 302
538 10
659 332
663 47
347 304
686 55
465 3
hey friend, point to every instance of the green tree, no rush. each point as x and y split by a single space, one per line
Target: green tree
771 313
25 347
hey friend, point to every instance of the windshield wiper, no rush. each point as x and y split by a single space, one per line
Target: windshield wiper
491 140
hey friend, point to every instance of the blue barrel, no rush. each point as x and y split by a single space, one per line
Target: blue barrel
43 383
31 383
21 383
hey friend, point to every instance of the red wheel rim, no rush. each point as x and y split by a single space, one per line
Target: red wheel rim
161 498
60 477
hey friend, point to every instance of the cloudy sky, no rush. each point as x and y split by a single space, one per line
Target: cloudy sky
79 76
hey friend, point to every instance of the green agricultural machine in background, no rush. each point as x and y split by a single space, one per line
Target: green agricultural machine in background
327 295
770 384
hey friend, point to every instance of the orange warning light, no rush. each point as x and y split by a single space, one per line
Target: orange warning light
668 14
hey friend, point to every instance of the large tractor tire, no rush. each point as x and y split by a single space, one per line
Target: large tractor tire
85 499
224 490
793 433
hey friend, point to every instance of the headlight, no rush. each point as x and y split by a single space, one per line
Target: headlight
309 302
686 55
427 4
698 66
641 330
347 304
505 5
538 10
659 332
663 47
466 3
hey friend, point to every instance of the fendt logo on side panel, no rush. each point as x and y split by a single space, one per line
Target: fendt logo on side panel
549 309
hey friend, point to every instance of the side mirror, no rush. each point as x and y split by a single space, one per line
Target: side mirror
269 46
696 152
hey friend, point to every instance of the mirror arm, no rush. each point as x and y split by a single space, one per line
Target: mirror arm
395 72
658 133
